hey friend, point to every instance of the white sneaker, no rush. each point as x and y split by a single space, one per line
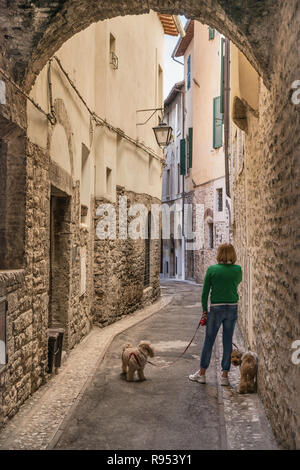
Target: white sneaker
198 378
224 381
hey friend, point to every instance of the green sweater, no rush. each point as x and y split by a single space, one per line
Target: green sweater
223 280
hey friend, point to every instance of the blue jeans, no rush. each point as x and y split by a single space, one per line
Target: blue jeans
226 314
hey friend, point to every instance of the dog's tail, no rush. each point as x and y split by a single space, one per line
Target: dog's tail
126 345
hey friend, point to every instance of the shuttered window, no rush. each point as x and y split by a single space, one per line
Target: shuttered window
189 72
217 124
182 157
190 155
211 33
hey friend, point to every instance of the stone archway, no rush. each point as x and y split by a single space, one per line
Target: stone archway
267 212
45 27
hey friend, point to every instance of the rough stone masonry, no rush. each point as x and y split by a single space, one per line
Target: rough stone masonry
266 198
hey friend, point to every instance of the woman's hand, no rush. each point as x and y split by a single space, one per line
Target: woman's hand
204 315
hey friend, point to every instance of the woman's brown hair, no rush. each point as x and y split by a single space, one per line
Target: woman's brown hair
226 254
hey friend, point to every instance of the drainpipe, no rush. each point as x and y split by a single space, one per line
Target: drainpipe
227 113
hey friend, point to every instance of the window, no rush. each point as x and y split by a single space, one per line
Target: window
211 33
190 148
147 252
112 52
168 182
219 199
85 184
182 156
189 72
210 235
108 180
217 123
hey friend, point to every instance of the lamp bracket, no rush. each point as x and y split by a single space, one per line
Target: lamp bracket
148 110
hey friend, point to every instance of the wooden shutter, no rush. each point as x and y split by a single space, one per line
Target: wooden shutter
182 157
217 124
211 33
190 147
222 75
189 72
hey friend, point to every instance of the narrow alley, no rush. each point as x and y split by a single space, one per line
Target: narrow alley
167 411
149 150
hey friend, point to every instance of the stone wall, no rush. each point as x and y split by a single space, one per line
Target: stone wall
266 207
119 269
27 291
15 377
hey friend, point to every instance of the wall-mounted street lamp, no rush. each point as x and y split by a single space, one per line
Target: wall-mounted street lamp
163 132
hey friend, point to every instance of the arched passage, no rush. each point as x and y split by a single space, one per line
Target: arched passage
267 200
45 26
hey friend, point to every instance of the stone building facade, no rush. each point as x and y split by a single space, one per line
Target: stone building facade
266 206
61 274
173 253
203 154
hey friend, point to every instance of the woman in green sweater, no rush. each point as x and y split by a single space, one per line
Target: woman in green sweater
222 280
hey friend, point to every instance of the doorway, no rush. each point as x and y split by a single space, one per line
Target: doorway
60 260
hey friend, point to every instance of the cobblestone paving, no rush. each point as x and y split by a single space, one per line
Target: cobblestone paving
247 427
41 416
44 418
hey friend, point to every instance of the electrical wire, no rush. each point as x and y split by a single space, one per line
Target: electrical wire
103 122
48 116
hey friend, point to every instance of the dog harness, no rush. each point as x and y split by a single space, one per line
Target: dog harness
135 357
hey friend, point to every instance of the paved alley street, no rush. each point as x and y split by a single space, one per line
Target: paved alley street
167 411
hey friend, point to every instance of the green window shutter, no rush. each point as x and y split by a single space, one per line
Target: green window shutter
190 147
182 157
211 33
217 124
222 75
